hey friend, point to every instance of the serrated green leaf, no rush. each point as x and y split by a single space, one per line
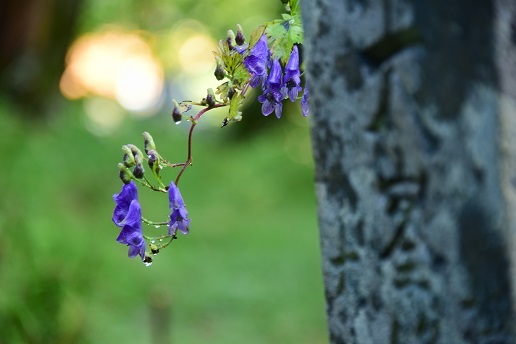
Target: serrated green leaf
283 34
234 107
240 76
279 45
256 34
296 34
294 7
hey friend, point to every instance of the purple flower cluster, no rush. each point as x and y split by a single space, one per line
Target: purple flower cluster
128 215
276 86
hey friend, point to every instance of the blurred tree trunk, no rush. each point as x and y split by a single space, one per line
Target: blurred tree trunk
33 44
414 136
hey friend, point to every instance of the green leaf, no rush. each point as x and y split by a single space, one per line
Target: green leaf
256 34
296 34
234 107
294 7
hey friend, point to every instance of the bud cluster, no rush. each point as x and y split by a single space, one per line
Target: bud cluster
128 213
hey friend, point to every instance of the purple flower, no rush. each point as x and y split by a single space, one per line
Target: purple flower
305 106
179 216
256 62
292 76
123 201
272 96
241 48
128 215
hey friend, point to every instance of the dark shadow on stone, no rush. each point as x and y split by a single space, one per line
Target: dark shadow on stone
459 51
483 253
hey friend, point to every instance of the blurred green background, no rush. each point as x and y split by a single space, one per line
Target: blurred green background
248 272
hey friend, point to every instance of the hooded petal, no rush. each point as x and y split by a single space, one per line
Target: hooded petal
256 65
274 79
291 87
123 201
131 233
178 215
278 108
267 106
260 49
305 106
257 61
137 250
174 197
293 61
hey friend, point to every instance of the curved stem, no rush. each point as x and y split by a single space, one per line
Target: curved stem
175 165
188 161
153 223
189 157
168 243
146 183
244 90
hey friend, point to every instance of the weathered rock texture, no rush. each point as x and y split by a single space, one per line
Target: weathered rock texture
414 136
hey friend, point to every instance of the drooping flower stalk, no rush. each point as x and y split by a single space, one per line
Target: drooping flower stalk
270 60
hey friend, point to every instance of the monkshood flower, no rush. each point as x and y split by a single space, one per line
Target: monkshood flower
123 202
272 96
179 216
292 79
257 61
305 106
128 215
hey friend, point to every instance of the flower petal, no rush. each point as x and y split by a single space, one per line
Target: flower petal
123 201
178 215
305 106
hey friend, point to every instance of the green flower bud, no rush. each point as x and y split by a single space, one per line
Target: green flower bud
230 39
239 38
138 171
210 98
137 153
176 112
219 73
128 156
125 174
154 249
149 142
154 162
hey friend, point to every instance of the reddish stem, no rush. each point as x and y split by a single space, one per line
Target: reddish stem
190 133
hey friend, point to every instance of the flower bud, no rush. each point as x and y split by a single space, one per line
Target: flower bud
125 175
219 73
154 249
239 38
154 159
137 153
128 156
138 171
149 142
210 98
176 112
230 39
